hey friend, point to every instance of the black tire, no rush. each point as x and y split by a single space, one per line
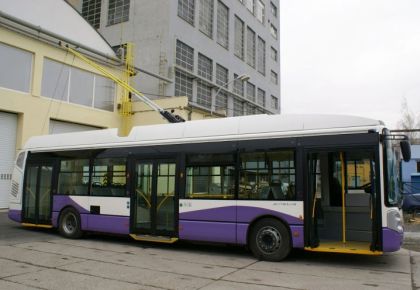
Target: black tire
269 240
69 224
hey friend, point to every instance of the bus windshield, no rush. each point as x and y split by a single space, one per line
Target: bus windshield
392 187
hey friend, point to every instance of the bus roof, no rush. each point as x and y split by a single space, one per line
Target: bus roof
221 129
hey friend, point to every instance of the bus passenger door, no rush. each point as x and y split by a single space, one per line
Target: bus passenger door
313 199
37 194
341 203
155 198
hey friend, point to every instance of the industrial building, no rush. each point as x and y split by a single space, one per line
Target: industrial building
223 55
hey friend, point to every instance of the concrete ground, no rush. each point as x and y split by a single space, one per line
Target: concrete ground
41 259
412 232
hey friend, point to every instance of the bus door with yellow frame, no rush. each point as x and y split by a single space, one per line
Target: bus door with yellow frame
341 203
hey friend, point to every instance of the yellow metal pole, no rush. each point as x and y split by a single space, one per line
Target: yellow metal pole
126 107
343 196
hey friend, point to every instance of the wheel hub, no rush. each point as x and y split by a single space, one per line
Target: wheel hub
268 239
70 223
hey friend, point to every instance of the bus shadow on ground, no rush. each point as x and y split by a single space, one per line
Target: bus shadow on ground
296 255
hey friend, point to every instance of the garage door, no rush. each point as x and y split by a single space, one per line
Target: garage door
57 127
8 128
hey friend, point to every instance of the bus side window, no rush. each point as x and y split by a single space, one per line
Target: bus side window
267 175
210 176
73 177
109 177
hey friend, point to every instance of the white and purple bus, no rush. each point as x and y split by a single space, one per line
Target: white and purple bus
271 182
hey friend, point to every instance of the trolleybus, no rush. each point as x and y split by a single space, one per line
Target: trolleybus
271 182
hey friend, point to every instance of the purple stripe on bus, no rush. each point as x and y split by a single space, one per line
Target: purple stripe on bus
15 215
241 214
297 236
61 201
219 214
54 218
108 224
207 231
242 234
84 221
391 240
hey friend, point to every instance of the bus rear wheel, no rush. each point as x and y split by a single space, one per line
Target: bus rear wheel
270 240
69 224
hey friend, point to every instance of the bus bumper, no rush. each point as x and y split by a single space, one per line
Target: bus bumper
391 240
15 215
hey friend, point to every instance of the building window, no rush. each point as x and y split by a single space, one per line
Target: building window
203 94
118 11
274 103
210 176
238 86
81 87
205 67
222 101
250 109
259 111
274 78
267 175
109 177
261 56
250 91
73 177
261 98
239 37
104 93
250 48
55 80
186 9
273 54
85 88
222 25
260 11
273 9
18 78
183 85
222 75
238 107
91 11
418 166
206 17
249 4
273 31
184 56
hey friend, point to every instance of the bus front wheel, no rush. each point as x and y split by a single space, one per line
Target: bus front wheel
270 240
69 224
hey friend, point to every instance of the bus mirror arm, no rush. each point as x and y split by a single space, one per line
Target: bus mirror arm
404 144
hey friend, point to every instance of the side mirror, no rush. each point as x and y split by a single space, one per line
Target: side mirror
405 150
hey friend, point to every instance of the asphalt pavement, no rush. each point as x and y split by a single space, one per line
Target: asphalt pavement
41 259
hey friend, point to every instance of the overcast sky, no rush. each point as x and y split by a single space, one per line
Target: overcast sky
358 57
